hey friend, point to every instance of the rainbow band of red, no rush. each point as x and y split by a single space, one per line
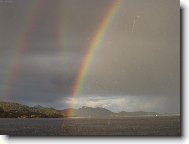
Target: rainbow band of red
93 45
21 46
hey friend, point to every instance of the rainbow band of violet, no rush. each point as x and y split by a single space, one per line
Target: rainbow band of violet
93 45
21 46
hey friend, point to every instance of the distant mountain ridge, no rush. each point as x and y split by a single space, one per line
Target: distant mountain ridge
102 112
15 110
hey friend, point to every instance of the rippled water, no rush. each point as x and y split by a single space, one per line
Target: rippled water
163 125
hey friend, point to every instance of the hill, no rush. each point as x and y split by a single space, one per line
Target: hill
92 112
102 112
15 110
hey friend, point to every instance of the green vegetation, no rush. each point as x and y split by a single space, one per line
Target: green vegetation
15 110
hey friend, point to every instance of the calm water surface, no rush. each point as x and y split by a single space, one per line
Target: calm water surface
163 125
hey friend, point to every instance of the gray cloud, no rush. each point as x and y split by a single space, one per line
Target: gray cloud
138 59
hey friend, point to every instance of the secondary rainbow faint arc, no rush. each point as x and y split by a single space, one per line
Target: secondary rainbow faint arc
20 46
93 45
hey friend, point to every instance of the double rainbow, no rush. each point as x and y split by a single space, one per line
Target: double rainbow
25 32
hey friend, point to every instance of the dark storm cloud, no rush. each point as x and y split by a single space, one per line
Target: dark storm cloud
47 67
47 78
142 62
80 20
137 60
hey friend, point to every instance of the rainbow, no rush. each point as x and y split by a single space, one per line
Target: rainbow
93 45
59 29
20 46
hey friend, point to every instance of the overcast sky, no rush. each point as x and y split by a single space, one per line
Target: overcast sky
136 66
